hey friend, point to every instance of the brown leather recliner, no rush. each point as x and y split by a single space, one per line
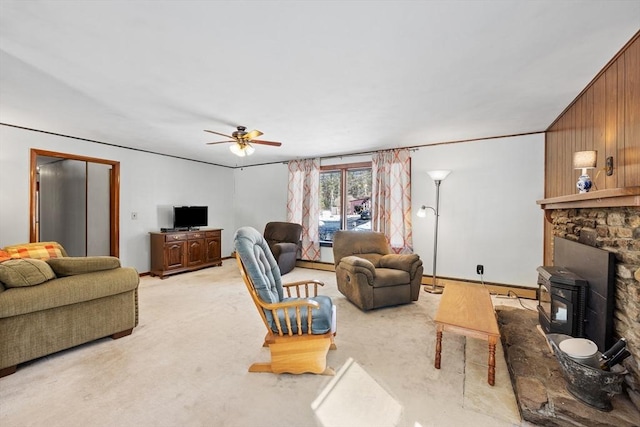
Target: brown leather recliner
369 275
283 239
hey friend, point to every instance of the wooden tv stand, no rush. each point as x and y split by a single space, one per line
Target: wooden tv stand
175 252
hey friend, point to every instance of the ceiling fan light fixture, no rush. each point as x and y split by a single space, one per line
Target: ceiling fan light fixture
241 141
242 150
237 150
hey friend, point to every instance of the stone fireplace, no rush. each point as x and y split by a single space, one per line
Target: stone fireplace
604 117
614 229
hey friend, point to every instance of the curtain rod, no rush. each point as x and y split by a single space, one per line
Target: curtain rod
339 156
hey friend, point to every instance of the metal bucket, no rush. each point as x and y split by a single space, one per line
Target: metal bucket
590 385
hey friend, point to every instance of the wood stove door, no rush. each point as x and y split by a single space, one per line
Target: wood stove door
544 303
562 313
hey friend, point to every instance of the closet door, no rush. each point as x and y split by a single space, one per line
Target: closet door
74 206
63 201
98 221
75 200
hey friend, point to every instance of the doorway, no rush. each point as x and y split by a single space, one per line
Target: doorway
75 200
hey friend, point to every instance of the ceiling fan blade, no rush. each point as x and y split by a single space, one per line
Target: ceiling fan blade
218 133
253 134
220 142
258 141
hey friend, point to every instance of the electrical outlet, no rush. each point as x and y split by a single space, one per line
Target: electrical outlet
480 269
134 215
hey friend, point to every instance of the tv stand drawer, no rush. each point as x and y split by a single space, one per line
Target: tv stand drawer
172 237
213 233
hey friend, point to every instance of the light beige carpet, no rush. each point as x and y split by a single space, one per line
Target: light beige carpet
186 365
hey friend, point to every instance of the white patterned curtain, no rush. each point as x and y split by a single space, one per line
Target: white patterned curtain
303 203
391 194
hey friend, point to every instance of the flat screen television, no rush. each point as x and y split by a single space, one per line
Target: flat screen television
190 217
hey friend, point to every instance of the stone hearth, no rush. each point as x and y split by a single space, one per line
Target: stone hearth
538 383
617 230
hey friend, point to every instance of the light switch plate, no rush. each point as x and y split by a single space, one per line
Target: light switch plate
609 166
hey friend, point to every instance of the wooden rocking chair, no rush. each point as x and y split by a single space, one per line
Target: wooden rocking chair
300 325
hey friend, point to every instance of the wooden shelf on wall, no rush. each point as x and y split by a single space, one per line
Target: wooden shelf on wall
614 197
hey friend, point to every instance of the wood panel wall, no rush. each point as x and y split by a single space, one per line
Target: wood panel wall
604 117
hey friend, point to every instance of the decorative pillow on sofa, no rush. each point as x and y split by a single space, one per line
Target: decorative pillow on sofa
15 273
70 266
37 250
4 255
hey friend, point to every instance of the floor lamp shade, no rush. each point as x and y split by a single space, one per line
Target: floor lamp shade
439 175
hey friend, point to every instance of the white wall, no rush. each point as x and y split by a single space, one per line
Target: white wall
488 204
488 210
260 195
149 185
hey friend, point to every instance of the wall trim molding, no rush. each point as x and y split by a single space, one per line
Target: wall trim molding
494 288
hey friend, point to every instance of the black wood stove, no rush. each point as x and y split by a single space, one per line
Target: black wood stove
562 301
576 296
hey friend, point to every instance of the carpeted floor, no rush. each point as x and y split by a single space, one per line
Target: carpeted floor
186 365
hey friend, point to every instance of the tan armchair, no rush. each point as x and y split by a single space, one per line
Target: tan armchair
369 275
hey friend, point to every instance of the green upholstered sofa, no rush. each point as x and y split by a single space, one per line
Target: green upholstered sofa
51 302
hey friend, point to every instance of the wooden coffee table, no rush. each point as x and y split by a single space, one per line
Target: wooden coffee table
467 309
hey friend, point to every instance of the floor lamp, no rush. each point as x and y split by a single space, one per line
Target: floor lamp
437 176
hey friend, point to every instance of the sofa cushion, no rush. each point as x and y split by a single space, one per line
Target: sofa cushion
283 248
365 244
390 277
373 258
357 261
399 261
37 250
260 264
70 266
320 324
4 255
16 273
68 290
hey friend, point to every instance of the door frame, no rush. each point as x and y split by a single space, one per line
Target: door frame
114 194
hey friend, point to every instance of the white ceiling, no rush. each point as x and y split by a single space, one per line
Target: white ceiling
323 77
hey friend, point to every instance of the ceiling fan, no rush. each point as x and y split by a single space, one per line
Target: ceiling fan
243 141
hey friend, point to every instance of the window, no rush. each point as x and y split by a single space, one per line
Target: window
345 199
